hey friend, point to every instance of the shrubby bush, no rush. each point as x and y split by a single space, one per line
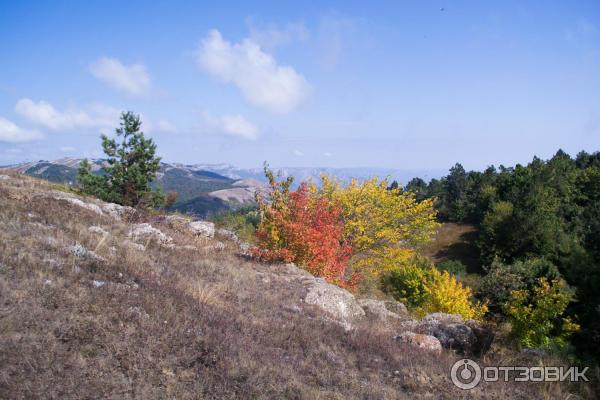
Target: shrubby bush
502 279
301 228
243 222
537 314
329 227
454 267
426 289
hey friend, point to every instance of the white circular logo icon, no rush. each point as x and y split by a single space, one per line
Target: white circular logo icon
465 374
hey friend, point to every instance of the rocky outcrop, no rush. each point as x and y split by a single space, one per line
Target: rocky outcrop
337 302
202 228
145 232
466 337
118 211
378 310
420 341
80 251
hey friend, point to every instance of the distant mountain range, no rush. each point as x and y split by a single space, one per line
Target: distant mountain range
205 189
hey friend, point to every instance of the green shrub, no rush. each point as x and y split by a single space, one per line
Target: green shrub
536 315
502 279
242 221
454 267
426 290
406 283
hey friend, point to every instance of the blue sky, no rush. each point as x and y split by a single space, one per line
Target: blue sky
395 84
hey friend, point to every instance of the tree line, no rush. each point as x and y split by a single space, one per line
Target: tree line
536 221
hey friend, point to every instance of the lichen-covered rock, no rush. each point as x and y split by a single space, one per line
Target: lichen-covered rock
80 251
202 228
420 341
229 235
466 337
339 303
88 206
118 211
396 307
376 309
146 231
4 177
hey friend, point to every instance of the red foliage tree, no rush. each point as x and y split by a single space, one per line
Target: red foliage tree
298 227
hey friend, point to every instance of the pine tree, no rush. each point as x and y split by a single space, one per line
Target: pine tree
131 167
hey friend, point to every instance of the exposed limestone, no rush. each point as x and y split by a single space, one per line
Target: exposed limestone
146 231
118 211
339 303
376 309
202 228
420 341
80 251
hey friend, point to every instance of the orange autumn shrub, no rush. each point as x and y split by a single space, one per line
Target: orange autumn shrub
301 228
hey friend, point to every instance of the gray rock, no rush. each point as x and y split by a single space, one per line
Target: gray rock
420 341
202 228
118 211
396 307
229 235
80 251
75 201
4 177
466 337
376 309
146 231
337 302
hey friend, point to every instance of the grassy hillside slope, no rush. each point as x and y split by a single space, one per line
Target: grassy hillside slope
185 320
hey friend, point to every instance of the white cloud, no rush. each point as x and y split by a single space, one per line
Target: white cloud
132 79
273 36
298 153
327 154
231 125
68 149
44 114
167 126
10 132
262 81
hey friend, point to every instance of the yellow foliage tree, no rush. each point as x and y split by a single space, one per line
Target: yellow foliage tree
385 226
443 293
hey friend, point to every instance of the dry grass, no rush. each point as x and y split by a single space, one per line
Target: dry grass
185 322
455 242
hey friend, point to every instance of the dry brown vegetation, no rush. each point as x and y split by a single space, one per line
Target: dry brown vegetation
184 322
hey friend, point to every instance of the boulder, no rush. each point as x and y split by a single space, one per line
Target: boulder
229 235
80 251
79 203
202 228
466 337
376 309
118 211
339 303
146 231
420 341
